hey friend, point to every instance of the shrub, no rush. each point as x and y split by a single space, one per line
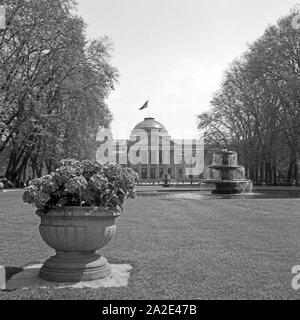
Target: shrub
85 183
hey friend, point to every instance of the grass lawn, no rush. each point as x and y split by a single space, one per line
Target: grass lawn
179 249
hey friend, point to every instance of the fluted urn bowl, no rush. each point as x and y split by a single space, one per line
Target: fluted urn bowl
75 233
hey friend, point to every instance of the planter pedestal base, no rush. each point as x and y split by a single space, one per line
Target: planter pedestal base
75 267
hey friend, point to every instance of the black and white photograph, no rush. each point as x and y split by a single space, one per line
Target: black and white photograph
149 151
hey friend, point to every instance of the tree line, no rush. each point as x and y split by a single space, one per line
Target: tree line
53 86
257 108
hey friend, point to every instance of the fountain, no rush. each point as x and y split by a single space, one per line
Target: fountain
228 176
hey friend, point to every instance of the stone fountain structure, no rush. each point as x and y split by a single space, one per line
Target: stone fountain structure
227 175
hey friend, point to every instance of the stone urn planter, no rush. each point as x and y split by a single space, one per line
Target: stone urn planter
76 233
78 204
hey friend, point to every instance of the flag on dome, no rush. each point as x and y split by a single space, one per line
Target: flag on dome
145 105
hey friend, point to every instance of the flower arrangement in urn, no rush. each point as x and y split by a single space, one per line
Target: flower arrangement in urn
78 205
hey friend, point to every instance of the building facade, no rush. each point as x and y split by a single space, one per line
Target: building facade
155 156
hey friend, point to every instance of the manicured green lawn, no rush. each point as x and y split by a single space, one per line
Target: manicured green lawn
179 249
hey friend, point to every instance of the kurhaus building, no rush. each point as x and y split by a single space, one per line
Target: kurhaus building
154 155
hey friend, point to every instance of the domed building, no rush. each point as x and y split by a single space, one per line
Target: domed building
154 155
149 124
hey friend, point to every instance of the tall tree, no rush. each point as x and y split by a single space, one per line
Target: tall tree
257 109
53 85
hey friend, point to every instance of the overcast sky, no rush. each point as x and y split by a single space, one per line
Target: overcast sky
174 52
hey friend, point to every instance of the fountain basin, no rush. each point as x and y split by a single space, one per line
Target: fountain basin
232 187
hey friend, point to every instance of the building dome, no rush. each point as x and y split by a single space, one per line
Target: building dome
148 124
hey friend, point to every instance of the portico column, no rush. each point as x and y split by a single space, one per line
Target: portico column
157 172
148 171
